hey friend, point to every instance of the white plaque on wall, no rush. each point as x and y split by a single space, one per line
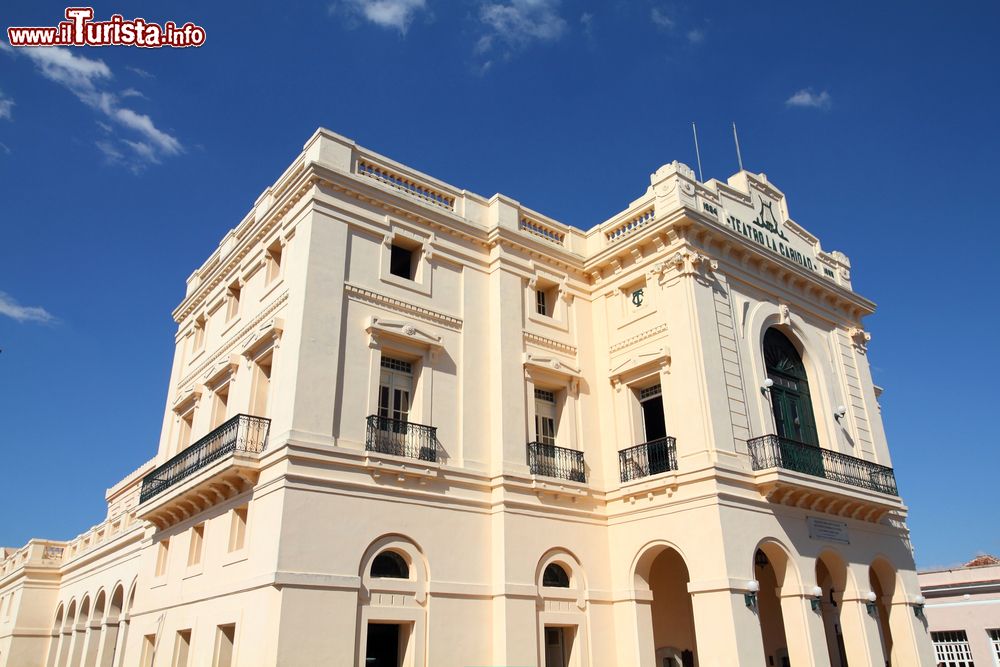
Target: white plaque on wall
827 530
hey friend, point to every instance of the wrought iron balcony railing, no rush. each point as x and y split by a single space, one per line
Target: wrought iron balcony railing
553 461
401 438
242 433
649 458
771 451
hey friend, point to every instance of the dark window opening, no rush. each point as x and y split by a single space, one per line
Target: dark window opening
401 262
390 565
555 576
382 648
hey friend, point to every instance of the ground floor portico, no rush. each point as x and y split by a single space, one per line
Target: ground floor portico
711 581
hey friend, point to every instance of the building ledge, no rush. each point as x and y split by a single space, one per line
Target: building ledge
795 489
224 478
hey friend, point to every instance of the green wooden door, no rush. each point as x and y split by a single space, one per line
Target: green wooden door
792 405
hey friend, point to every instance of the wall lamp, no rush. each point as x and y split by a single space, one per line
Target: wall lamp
870 598
750 597
918 606
817 598
840 412
768 383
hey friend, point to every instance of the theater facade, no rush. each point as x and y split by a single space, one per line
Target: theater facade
408 425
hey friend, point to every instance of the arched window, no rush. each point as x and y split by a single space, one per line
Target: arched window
790 400
555 576
390 565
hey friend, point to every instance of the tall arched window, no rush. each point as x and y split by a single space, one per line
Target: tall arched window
790 400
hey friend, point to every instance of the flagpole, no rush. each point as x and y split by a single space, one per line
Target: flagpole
697 152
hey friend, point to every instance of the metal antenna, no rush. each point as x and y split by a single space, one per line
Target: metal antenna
736 138
697 152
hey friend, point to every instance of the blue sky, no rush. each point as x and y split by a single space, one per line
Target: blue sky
121 169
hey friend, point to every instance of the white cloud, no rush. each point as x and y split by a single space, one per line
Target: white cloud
139 72
396 14
696 36
517 23
132 92
587 21
661 19
5 148
12 309
6 106
86 78
808 99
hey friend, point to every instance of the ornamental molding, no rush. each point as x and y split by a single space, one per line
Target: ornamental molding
242 334
550 364
860 337
363 295
264 337
638 338
378 328
689 262
554 345
637 363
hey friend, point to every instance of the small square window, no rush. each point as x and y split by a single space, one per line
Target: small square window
545 300
401 262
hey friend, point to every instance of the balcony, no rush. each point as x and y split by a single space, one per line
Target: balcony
558 462
219 465
789 472
649 458
402 438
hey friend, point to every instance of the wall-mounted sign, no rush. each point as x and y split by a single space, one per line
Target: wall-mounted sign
637 297
827 530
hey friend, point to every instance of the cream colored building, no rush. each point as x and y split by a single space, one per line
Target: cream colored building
410 425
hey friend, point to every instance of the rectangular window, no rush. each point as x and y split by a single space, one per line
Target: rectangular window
220 405
395 388
273 261
233 301
995 641
182 644
197 539
952 648
148 651
199 333
545 417
238 529
225 640
401 262
540 303
162 552
261 386
184 429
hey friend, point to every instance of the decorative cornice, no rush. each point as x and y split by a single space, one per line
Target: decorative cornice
363 295
236 338
554 345
629 342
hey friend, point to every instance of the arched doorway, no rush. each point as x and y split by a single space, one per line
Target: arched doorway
664 571
770 569
791 405
882 578
831 577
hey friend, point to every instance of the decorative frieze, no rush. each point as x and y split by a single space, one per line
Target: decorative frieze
362 295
